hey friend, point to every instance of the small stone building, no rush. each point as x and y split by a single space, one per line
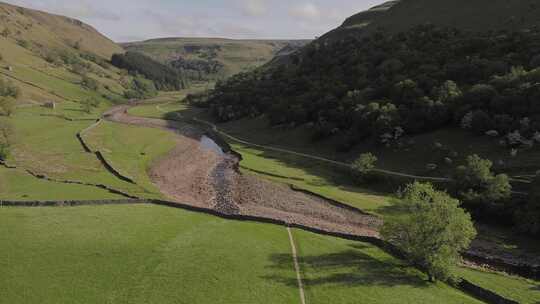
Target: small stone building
50 105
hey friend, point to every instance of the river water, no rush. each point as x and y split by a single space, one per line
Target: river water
209 144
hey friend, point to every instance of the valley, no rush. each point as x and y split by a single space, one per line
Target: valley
213 170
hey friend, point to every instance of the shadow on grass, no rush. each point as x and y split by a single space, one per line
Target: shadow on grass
348 268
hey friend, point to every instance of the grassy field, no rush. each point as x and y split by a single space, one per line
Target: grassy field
131 150
47 144
515 288
339 271
20 186
152 254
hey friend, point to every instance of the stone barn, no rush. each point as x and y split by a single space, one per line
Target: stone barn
50 105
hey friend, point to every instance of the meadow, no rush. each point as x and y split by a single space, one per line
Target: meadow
131 150
154 254
334 183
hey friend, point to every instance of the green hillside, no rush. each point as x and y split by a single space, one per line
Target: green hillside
53 31
215 58
478 15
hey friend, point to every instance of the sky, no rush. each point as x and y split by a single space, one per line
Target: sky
133 20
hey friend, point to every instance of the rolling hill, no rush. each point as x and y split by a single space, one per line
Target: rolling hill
55 58
54 31
478 15
214 58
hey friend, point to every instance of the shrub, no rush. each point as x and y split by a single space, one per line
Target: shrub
8 89
363 165
7 106
6 138
90 83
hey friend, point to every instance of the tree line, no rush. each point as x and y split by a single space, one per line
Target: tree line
372 86
165 78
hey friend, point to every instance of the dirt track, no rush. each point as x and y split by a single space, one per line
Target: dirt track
201 177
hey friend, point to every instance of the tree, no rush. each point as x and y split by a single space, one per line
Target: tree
476 182
6 138
448 92
432 231
7 89
363 165
7 106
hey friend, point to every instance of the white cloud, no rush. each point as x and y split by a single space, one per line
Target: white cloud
254 7
306 11
124 20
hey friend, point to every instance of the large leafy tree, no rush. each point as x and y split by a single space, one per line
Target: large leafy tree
432 231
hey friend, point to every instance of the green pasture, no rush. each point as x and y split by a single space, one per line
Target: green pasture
152 254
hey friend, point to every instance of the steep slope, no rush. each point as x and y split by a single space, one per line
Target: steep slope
377 87
51 57
54 31
477 15
214 58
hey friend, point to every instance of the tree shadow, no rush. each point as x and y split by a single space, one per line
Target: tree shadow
347 268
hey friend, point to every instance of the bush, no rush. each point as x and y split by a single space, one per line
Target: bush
8 89
7 106
6 138
90 83
363 165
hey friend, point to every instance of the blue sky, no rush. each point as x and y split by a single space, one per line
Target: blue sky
129 20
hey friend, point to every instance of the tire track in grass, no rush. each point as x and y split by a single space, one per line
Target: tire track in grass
297 267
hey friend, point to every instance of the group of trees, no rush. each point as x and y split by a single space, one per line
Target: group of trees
198 69
419 80
140 88
476 182
164 77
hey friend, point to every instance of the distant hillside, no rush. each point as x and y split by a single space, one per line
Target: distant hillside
55 58
214 57
477 15
54 31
